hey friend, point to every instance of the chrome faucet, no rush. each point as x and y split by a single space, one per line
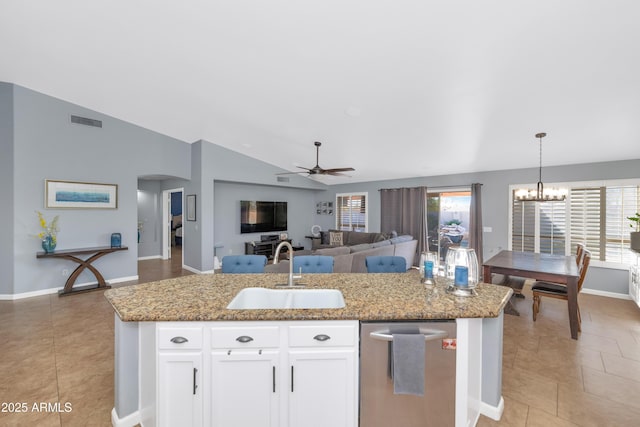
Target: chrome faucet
290 282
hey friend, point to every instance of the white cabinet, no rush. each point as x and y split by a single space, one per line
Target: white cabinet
271 373
322 389
245 370
179 394
323 368
179 391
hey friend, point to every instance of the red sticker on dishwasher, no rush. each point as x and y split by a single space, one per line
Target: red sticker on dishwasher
449 344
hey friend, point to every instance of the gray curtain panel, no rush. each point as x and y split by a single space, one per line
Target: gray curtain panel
475 226
404 210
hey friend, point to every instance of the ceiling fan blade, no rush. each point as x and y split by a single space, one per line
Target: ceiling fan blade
291 173
317 170
339 170
334 173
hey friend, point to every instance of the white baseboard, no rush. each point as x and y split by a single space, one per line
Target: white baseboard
196 271
123 279
605 293
144 258
493 412
128 421
11 297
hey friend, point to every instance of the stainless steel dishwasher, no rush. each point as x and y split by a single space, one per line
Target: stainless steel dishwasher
379 406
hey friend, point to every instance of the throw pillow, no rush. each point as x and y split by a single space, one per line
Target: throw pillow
335 238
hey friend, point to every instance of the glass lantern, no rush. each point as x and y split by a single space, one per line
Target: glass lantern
429 267
461 268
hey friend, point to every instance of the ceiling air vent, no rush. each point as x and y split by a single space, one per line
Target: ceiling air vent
86 121
283 179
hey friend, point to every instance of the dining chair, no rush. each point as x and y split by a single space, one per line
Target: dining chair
579 252
243 264
386 264
313 264
559 291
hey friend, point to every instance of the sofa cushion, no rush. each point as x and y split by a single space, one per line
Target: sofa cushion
336 238
339 250
358 238
324 237
400 239
360 247
381 243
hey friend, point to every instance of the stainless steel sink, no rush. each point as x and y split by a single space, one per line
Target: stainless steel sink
261 298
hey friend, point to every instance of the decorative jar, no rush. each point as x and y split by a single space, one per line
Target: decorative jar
48 243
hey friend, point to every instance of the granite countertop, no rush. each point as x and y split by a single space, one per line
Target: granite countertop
367 296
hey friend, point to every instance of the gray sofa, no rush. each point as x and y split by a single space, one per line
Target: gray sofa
351 259
349 238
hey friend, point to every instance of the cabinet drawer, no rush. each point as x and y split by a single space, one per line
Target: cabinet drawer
322 335
245 337
179 337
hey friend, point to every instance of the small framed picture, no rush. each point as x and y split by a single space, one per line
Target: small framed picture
191 207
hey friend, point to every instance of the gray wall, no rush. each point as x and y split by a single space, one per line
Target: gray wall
300 213
213 163
47 146
495 203
40 143
6 188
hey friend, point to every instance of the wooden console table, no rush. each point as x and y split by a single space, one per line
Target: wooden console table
70 254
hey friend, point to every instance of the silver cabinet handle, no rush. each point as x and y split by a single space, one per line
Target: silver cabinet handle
291 378
244 339
273 378
429 335
322 337
179 340
195 386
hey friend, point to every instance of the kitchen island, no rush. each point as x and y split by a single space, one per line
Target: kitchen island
202 300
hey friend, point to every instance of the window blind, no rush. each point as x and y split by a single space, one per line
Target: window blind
553 235
523 230
622 202
586 206
352 212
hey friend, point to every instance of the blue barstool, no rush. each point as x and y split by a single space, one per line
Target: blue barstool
244 263
386 264
313 264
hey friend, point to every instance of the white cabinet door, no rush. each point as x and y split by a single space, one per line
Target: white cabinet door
322 389
179 388
245 388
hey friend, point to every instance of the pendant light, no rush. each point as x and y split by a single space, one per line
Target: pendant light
540 194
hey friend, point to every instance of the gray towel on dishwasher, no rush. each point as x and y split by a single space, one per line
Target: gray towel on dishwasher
408 364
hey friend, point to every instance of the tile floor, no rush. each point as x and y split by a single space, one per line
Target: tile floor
61 350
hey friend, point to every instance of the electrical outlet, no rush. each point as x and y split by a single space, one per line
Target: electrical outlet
65 272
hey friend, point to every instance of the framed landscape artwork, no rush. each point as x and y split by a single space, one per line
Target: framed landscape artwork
80 195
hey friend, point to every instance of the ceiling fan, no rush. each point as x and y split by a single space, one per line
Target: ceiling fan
317 170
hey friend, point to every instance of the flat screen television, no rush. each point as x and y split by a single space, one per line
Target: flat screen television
260 217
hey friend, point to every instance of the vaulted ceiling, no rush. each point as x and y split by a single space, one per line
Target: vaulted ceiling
392 88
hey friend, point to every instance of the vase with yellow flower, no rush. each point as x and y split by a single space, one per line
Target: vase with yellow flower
48 235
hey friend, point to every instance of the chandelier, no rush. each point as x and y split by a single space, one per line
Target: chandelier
540 194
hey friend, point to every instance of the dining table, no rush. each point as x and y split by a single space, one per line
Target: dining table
544 267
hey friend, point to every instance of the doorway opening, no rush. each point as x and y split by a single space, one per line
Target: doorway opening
172 225
448 220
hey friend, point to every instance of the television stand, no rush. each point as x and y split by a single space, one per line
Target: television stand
266 248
